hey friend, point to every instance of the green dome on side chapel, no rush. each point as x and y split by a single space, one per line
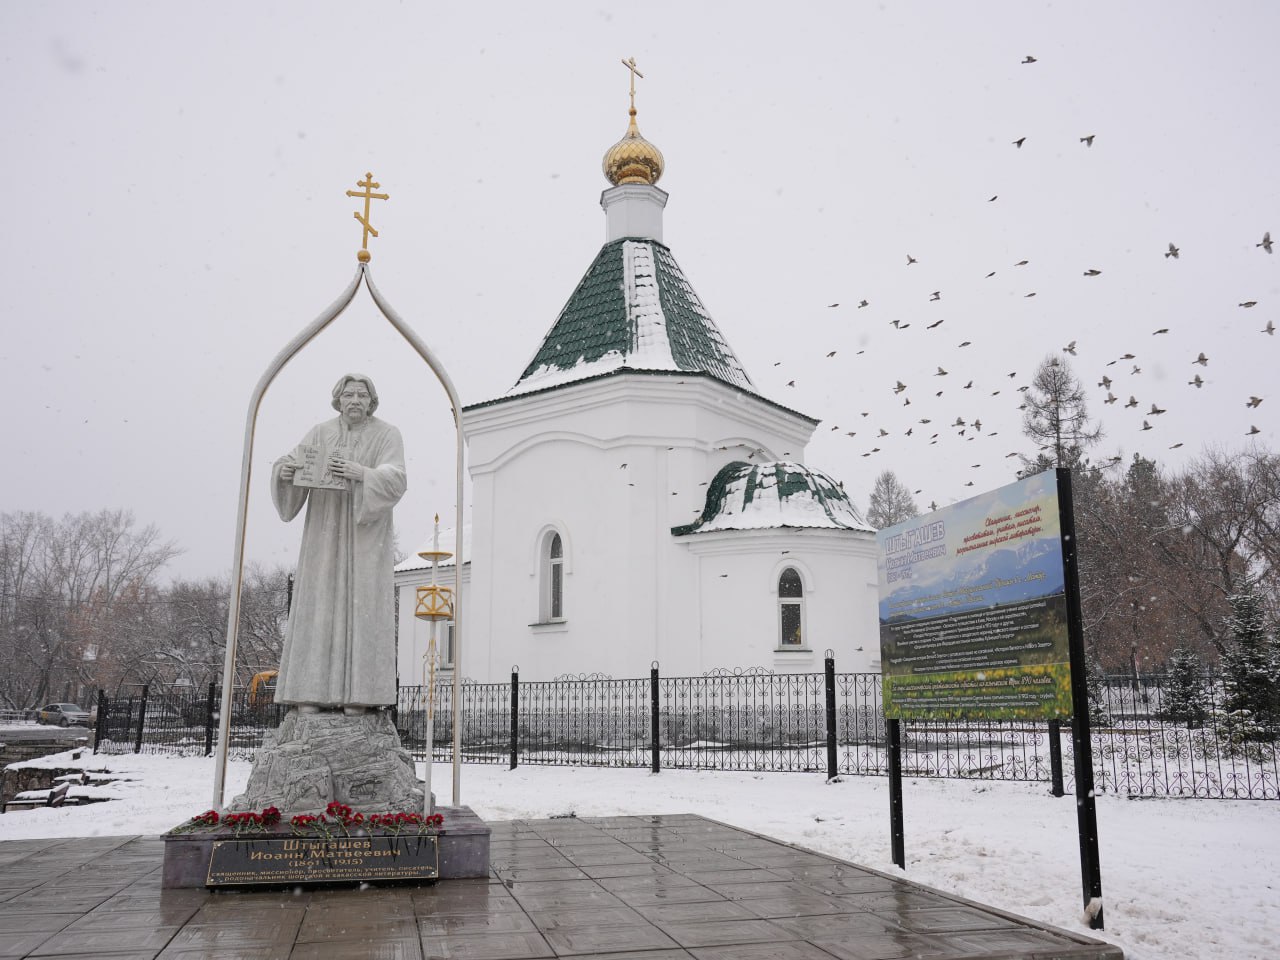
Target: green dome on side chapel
779 493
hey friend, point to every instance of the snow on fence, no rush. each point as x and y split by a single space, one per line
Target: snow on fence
757 720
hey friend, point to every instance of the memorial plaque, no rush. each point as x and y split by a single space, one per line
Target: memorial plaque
292 860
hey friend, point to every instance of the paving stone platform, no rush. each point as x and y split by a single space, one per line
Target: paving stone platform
615 888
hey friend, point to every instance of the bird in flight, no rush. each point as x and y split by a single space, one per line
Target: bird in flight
1195 382
1019 142
1029 59
1253 401
1269 329
1031 294
1248 303
1111 397
1070 348
1171 252
1146 426
829 305
1127 356
989 275
899 387
791 383
1252 430
1087 141
993 198
1266 242
831 354
1157 333
940 373
1133 402
936 295
862 304
1105 382
1155 411
911 260
1092 273
1175 446
1202 360
1022 263
932 325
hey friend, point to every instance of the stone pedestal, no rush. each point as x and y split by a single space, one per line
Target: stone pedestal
316 758
461 848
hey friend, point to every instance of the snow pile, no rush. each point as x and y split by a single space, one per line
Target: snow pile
1191 879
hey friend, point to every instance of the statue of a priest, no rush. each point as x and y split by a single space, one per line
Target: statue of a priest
339 649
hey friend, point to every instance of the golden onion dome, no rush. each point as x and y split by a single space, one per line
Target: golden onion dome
633 159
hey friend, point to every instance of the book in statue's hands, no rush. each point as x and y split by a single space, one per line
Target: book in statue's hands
313 466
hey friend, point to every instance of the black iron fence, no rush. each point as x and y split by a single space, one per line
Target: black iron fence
182 721
757 720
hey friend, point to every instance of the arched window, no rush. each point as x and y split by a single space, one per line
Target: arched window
552 579
790 609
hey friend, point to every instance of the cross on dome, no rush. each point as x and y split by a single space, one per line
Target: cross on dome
633 159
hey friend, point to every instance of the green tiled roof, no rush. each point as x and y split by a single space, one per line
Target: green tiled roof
633 309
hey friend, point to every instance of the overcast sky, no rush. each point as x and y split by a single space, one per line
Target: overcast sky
175 211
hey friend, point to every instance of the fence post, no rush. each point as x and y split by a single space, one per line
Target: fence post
1055 756
142 718
208 718
101 724
833 765
655 748
515 715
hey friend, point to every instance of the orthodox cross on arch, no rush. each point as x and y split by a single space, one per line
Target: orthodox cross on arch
369 185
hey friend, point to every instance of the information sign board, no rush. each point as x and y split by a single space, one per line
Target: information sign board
973 609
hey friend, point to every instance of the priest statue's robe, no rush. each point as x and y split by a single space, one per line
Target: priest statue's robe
339 649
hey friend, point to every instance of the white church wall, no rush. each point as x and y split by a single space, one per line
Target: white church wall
737 575
614 464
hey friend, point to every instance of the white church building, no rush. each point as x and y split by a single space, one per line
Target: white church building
636 499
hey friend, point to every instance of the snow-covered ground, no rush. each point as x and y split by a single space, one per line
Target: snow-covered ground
1180 878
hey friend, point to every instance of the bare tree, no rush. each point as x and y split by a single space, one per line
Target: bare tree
1056 417
71 589
890 502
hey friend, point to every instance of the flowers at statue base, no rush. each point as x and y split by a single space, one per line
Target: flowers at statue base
241 823
338 818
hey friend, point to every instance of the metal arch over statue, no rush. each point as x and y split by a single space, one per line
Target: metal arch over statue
349 471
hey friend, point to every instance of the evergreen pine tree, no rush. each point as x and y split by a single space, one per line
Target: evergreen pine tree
1251 672
1183 697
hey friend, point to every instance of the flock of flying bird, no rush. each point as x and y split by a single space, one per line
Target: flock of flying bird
931 427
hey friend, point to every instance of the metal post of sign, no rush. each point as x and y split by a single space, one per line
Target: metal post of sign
1055 757
1081 737
893 737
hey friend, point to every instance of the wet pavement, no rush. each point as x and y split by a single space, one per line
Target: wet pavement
621 888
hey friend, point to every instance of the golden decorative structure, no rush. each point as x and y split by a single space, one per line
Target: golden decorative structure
369 186
434 603
633 159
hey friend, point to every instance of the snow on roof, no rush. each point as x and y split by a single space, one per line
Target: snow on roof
634 309
415 562
779 493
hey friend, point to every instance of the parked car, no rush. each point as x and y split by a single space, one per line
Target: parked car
64 715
